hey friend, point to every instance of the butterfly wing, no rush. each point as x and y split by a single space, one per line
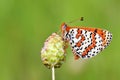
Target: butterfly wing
87 42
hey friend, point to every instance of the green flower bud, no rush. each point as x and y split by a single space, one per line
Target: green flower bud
53 52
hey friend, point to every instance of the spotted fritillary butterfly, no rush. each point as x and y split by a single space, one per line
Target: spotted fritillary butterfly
86 42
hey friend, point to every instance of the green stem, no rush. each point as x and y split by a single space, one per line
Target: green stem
53 73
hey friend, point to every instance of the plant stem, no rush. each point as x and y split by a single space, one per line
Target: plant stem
53 73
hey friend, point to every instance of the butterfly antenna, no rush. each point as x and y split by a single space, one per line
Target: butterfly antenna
79 19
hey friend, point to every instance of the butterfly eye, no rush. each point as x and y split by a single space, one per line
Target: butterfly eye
64 26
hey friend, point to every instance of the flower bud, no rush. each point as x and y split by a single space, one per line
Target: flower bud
53 52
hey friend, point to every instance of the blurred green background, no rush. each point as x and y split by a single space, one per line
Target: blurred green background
25 25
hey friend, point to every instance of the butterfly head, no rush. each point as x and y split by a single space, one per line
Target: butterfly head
63 27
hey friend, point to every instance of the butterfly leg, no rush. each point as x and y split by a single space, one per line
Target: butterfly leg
65 46
76 57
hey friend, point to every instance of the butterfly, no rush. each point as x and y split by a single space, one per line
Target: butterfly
85 42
